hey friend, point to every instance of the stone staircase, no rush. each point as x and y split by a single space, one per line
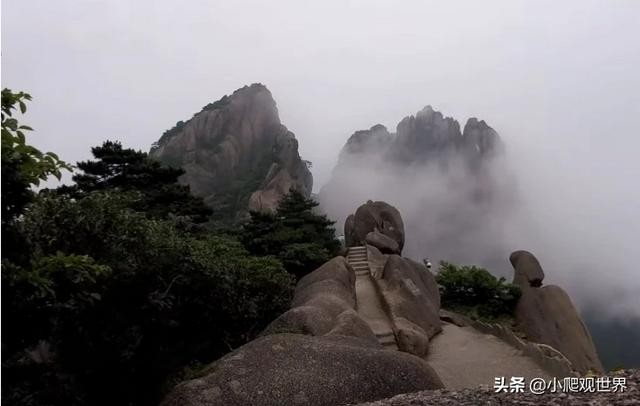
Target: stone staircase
368 301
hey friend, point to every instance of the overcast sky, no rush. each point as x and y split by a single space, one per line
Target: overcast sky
559 80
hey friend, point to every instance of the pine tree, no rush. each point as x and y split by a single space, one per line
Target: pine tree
302 239
127 170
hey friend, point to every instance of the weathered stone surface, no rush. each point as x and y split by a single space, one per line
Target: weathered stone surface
453 318
336 269
377 261
385 244
349 323
528 271
235 142
349 231
411 338
411 294
324 304
547 315
312 320
290 369
428 281
375 216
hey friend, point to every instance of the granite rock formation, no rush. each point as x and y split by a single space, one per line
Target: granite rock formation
296 369
449 183
236 153
547 315
320 352
413 300
408 291
324 304
378 224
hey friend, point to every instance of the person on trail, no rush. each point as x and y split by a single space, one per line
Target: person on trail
427 263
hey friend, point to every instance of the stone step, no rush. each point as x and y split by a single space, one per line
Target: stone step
356 259
359 264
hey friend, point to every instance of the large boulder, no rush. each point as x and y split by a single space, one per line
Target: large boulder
294 369
412 296
378 217
377 260
527 269
386 245
349 231
547 315
324 304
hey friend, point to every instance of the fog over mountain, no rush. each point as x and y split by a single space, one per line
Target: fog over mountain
557 80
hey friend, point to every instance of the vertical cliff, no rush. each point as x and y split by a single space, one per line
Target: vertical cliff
237 154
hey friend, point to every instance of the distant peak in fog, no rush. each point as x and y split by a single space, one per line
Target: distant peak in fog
427 135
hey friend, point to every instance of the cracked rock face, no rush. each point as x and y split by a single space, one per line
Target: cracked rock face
378 224
547 315
290 369
236 153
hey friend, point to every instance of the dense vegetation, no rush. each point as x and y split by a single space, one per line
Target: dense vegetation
113 288
476 292
300 238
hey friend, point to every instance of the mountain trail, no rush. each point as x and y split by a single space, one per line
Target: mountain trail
466 358
368 302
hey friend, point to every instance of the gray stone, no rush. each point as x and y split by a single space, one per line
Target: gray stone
226 140
385 244
377 261
312 320
411 338
335 269
348 323
547 316
324 304
373 216
411 293
287 369
350 238
528 271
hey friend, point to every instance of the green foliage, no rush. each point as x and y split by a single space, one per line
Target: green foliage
110 293
474 290
23 166
125 169
108 285
132 299
33 165
300 238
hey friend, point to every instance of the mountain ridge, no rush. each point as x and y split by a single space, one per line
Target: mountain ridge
236 153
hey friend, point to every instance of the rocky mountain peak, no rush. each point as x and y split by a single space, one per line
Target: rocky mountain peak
480 137
236 153
427 135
